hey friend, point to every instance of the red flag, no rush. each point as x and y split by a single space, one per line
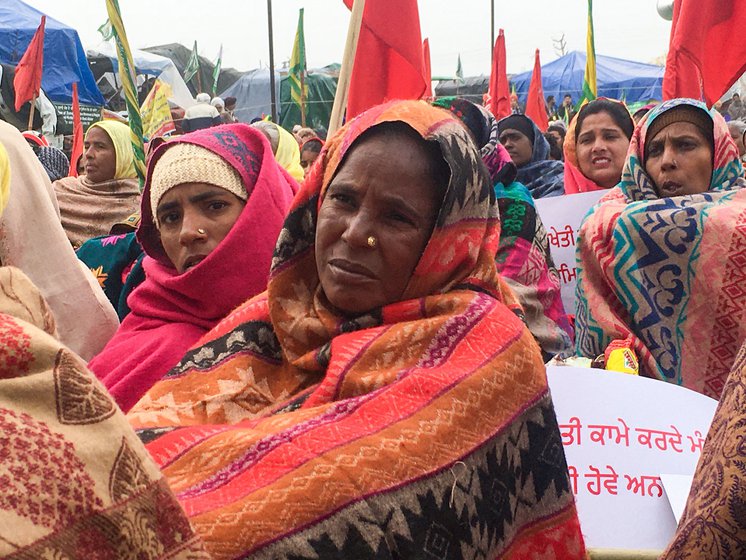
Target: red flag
27 80
536 108
426 72
499 92
77 149
388 61
705 53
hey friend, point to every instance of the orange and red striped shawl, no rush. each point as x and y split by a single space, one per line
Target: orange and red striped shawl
425 426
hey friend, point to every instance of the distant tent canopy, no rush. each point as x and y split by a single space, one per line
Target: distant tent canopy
104 64
64 58
252 95
180 54
617 78
471 88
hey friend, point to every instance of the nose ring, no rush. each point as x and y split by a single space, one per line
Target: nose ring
372 241
201 231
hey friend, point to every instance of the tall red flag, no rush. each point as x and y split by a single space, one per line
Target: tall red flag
705 53
426 71
388 61
536 108
27 80
499 91
77 149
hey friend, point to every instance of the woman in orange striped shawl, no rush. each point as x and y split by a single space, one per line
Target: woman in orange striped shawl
381 399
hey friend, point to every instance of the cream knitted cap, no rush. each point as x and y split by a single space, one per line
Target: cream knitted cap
189 163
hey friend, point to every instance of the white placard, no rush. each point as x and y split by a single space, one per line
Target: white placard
562 216
677 488
620 433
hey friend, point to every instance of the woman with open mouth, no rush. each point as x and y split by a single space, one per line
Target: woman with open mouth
212 209
596 146
661 255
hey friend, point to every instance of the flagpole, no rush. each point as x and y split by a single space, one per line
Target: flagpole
31 113
271 63
348 60
492 31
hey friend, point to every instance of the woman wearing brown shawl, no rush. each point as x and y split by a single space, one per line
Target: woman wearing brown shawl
108 192
75 482
381 399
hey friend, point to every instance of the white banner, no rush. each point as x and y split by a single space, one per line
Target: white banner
562 216
622 433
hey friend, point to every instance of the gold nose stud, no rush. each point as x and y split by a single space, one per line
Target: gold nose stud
372 242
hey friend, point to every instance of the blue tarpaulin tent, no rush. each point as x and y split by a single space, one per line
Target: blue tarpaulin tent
64 57
617 78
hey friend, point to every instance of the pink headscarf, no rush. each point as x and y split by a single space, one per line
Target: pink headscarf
171 311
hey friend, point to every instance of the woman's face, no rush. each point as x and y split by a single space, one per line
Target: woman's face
601 149
679 160
307 157
374 222
100 157
518 146
193 219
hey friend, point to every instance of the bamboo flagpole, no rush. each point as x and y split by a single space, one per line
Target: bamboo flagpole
345 72
31 113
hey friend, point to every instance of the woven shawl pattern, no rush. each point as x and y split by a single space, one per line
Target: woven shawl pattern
668 273
425 426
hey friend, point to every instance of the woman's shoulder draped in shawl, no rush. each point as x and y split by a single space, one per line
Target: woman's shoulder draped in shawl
77 482
169 312
713 525
523 257
32 239
426 423
667 273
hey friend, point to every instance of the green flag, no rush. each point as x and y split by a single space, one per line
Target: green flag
459 69
106 31
192 66
297 71
216 72
127 74
590 88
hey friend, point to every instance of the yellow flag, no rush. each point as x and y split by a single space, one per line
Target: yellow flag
155 112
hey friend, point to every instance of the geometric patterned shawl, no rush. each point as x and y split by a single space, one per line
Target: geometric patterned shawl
423 428
668 274
75 481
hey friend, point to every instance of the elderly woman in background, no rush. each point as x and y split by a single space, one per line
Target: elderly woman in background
109 190
213 206
596 146
32 240
661 256
523 256
528 148
332 414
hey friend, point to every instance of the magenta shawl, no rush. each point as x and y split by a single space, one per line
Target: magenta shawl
170 312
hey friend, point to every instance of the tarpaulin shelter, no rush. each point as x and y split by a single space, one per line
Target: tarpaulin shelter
252 93
180 54
471 88
617 78
103 62
64 58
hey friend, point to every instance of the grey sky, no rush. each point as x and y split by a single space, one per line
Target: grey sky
628 29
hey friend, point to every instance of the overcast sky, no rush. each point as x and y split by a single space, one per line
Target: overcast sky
630 29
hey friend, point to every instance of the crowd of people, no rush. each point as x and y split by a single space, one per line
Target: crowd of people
284 346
